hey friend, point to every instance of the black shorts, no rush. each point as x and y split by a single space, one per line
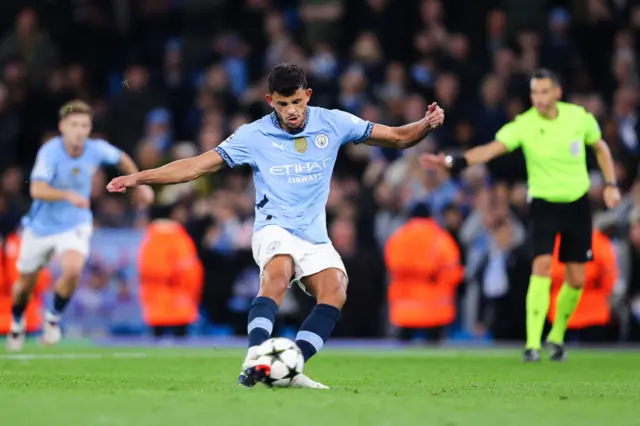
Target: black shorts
572 221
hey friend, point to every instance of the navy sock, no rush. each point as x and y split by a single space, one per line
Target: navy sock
316 329
262 316
59 304
17 311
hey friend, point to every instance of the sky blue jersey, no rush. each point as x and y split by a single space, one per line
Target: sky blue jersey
292 172
61 171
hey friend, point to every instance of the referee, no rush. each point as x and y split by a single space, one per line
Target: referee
553 136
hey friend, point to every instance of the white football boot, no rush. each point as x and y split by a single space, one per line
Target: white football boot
51 333
251 372
302 381
15 338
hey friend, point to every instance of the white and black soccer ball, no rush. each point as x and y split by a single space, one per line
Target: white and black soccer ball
284 359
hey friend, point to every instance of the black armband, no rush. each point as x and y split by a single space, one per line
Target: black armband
456 163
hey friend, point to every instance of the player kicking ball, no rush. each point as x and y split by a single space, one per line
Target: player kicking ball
60 220
553 136
292 153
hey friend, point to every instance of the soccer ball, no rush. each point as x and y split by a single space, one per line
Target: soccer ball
284 359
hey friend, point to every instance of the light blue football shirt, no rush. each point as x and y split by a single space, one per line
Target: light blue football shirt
292 171
61 171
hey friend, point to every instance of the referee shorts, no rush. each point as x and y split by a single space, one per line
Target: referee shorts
572 221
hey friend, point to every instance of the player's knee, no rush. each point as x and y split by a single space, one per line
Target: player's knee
542 266
276 277
71 276
72 265
333 292
274 285
24 286
71 273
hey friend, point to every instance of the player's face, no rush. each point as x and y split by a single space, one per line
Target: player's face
75 129
544 94
291 110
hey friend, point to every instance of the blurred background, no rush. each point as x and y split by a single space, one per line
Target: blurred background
170 79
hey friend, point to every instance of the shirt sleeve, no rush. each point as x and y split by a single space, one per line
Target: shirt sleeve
510 136
355 129
44 167
592 130
108 154
234 150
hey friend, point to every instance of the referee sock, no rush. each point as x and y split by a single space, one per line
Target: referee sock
316 329
537 308
262 316
566 303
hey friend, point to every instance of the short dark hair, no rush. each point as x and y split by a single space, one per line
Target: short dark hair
75 107
545 73
286 79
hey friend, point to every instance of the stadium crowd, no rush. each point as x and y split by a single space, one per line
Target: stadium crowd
170 79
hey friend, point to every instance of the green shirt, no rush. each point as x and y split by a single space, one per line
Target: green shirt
554 150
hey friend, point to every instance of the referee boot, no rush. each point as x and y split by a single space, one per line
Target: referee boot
531 355
557 351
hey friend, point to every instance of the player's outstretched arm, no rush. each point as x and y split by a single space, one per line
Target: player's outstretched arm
409 135
478 155
41 190
143 195
175 172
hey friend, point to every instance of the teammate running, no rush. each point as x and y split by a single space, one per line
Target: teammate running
60 220
553 136
292 152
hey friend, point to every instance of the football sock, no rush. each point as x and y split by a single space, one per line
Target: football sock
59 304
17 311
316 329
537 308
566 303
262 316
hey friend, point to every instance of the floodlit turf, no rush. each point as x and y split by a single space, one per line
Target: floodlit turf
157 387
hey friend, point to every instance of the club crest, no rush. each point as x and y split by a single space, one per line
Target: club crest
272 247
321 141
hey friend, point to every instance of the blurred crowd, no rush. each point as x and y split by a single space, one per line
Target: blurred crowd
170 79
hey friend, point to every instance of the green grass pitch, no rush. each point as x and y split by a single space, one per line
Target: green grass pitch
76 385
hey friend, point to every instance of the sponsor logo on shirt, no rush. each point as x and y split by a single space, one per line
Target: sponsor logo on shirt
306 172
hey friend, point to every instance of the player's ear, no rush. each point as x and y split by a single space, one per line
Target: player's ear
308 93
269 99
558 92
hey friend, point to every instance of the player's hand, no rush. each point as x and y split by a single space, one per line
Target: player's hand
434 116
433 161
143 195
78 200
122 183
611 196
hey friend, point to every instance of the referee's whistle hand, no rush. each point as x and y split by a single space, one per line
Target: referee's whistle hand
432 161
611 197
